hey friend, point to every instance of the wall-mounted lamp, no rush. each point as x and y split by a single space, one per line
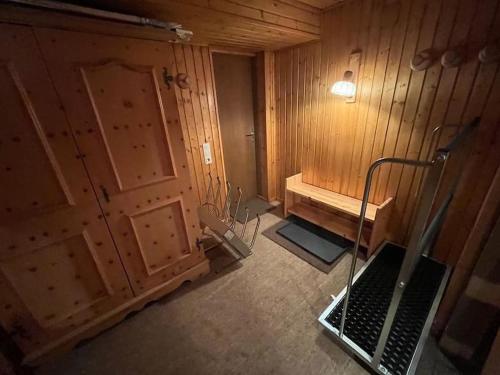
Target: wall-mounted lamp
347 86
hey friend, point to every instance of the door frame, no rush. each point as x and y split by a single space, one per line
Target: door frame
264 117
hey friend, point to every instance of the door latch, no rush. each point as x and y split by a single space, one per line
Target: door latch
167 78
105 193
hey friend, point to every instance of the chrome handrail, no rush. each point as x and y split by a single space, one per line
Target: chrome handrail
362 213
421 236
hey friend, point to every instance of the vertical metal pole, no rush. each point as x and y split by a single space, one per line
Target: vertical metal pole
218 197
227 203
240 193
247 212
362 213
413 251
255 232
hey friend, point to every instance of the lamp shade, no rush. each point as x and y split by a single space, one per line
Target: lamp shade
344 88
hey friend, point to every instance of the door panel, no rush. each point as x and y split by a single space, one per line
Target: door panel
59 268
47 189
168 220
60 265
125 121
128 109
233 81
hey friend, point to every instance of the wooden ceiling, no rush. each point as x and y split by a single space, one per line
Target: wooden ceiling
250 24
321 4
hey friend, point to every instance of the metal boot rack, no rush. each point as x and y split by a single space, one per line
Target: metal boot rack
222 225
379 346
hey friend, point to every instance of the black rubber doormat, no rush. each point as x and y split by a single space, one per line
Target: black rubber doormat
273 234
323 244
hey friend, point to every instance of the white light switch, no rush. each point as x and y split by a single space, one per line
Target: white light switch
207 153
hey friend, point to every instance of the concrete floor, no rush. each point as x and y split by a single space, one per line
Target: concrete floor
257 317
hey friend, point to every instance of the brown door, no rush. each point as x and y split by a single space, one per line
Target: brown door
233 82
124 117
59 268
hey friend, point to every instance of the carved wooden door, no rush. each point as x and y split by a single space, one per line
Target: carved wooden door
59 268
125 121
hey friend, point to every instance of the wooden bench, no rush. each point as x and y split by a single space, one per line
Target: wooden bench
336 212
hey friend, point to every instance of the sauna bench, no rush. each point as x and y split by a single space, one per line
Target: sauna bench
337 213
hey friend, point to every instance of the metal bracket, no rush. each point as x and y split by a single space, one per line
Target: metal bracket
217 217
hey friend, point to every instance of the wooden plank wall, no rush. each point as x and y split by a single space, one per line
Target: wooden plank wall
333 143
198 114
265 125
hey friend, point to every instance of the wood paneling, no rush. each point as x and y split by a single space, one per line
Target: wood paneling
198 114
254 24
333 142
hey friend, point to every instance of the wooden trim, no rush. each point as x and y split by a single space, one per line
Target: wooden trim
265 124
270 124
113 317
232 50
214 88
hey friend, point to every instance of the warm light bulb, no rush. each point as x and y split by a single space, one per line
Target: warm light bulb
344 88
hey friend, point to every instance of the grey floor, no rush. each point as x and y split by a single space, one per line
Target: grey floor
257 317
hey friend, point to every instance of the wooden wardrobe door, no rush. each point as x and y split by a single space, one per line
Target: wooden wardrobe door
125 120
59 268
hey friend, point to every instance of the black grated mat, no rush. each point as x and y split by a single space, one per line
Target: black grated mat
370 299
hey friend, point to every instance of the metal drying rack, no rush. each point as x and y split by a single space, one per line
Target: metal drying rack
217 216
422 237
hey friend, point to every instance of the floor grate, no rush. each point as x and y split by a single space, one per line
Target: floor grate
370 298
